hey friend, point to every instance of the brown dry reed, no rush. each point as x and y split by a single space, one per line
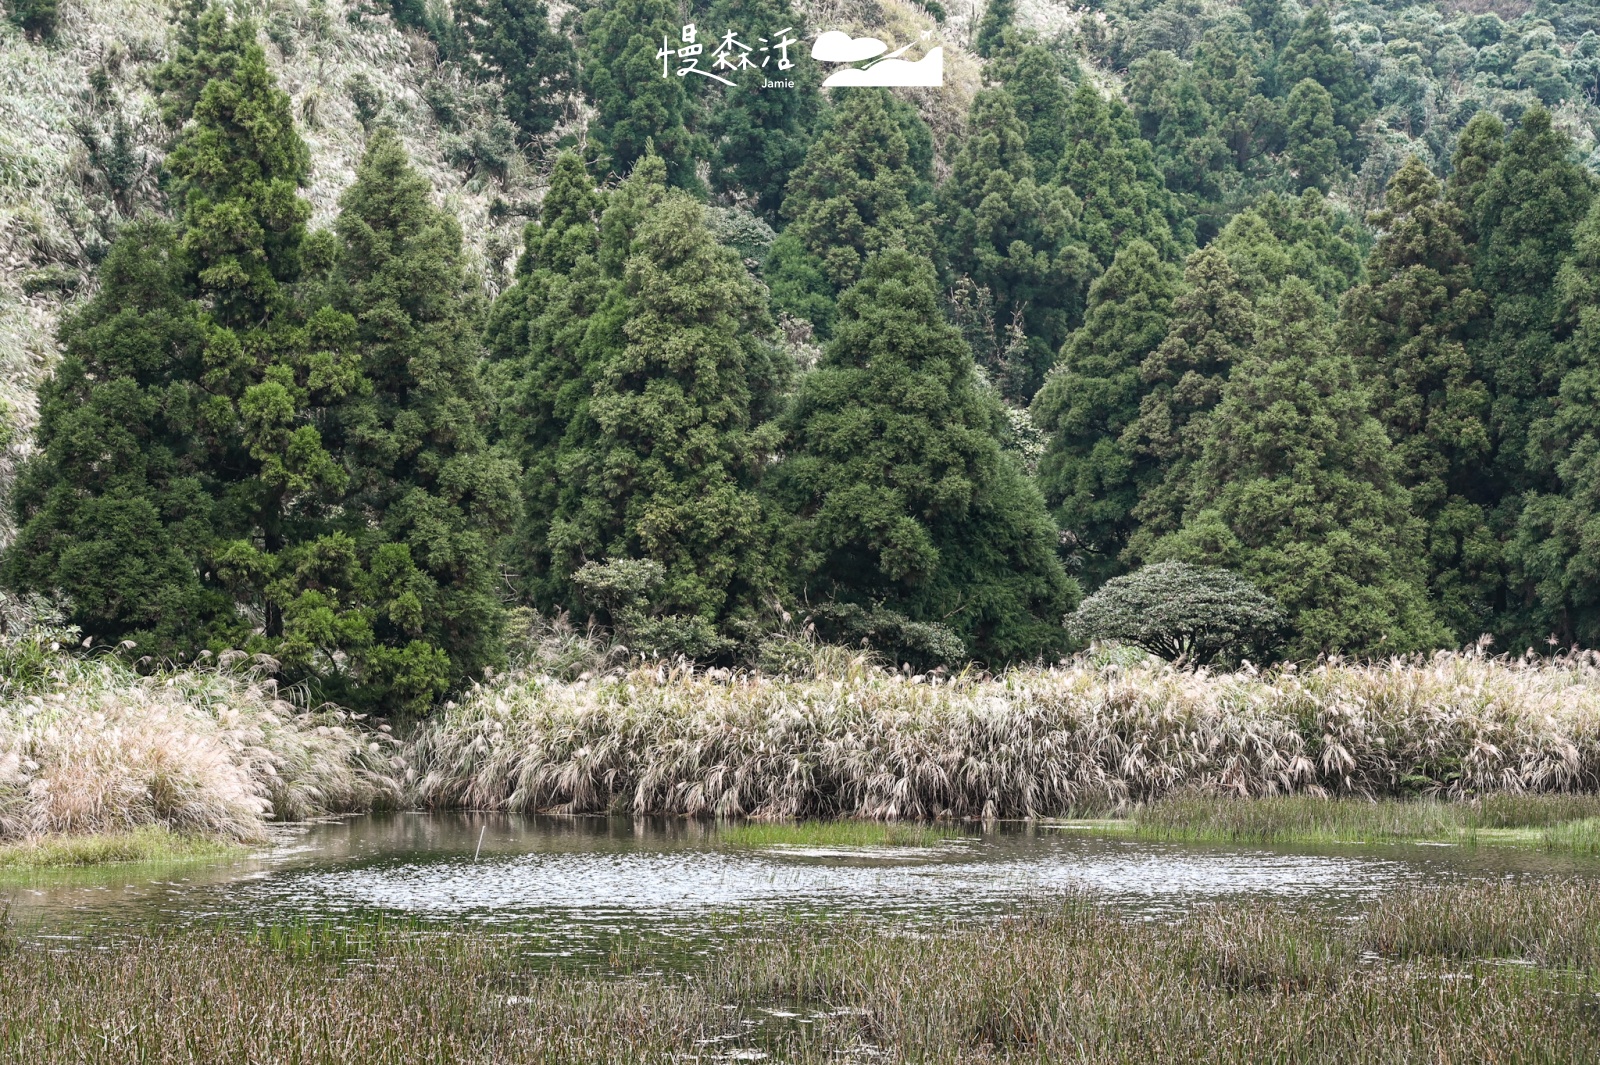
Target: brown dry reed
207 751
857 741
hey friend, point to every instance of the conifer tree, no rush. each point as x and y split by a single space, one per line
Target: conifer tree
759 135
1311 149
220 397
1213 326
513 41
1295 489
1278 237
663 465
541 372
1527 209
1555 551
205 45
1406 327
998 16
1110 170
855 194
635 104
116 507
1313 52
1005 233
1089 476
426 499
1034 77
904 501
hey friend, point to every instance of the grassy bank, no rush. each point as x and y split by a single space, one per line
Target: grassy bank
864 743
1422 977
100 763
151 843
1568 823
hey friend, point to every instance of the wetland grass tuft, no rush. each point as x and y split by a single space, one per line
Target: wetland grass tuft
1419 978
833 834
1558 822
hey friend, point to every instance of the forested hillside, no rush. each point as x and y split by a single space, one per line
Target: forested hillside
359 334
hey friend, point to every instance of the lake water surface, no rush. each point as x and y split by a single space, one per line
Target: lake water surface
579 886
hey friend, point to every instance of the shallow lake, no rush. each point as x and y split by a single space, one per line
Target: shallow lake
579 887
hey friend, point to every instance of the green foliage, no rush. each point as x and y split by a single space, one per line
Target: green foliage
425 499
36 18
998 16
858 192
760 136
206 45
1407 327
1295 490
1310 145
513 41
1088 475
266 439
1112 173
623 589
636 106
1005 233
1189 614
1213 325
658 422
1314 53
904 501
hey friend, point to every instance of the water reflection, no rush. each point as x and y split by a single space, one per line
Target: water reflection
578 883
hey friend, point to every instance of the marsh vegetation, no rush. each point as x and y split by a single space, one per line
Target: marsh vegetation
1495 972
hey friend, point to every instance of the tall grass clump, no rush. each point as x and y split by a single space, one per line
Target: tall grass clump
89 746
873 744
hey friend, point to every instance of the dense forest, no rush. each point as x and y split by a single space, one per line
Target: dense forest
1305 293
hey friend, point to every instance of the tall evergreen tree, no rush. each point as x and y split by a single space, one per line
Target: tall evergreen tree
904 500
221 475
115 508
1406 328
855 194
1295 489
1556 547
1278 237
635 103
1005 233
1311 148
759 137
1314 52
1088 475
666 466
998 16
513 42
1527 207
1110 170
426 499
541 369
1037 82
1213 327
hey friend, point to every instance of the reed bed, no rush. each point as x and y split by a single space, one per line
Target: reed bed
89 746
1069 982
866 743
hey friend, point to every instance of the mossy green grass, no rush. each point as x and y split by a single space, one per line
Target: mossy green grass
148 845
1560 823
